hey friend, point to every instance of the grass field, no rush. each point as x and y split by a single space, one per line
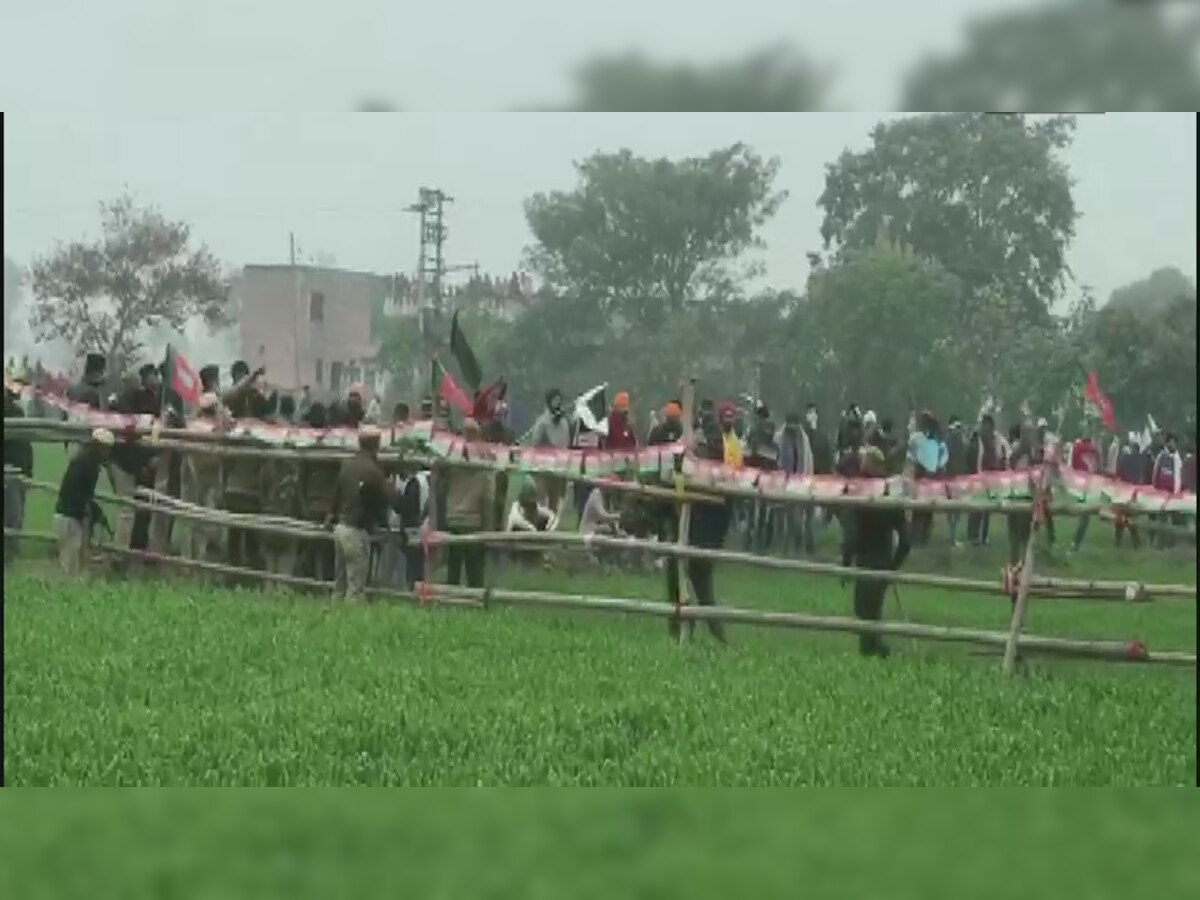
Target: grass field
172 682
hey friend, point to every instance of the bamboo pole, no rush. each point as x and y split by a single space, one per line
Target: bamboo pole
1186 535
1115 651
685 509
1061 588
452 595
1022 601
232 446
1047 587
223 569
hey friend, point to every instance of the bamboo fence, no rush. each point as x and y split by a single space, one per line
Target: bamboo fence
482 598
699 490
1065 588
1013 641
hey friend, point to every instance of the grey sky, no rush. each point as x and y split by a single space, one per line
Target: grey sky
463 55
340 180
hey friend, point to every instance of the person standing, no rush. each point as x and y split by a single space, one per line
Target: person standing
1129 471
709 526
361 498
552 430
984 455
620 435
240 492
470 500
1167 477
73 511
876 539
956 467
796 461
1085 457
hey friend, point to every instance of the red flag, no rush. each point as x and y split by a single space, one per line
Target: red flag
445 387
182 378
1093 395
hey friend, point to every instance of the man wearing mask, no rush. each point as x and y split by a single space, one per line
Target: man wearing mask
552 429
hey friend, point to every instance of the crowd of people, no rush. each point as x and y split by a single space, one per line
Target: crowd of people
372 509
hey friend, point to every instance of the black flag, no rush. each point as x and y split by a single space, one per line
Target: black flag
462 352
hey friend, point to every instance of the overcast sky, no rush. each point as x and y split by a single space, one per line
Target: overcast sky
340 181
463 55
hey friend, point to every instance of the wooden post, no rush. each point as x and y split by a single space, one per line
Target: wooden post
685 508
1026 576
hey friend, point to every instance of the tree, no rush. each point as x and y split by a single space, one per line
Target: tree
1155 293
984 195
1146 360
641 239
141 274
1082 56
878 328
773 79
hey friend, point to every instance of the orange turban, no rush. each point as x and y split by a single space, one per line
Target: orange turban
621 401
672 411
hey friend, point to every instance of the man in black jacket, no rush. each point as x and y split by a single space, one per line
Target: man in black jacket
708 529
77 498
868 544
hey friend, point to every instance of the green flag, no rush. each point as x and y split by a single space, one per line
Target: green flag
467 363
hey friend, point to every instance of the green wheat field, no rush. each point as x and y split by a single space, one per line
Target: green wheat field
174 682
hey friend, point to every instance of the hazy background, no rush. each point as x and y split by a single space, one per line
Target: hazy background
235 117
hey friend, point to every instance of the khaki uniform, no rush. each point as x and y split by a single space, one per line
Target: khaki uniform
280 490
72 544
360 502
352 557
316 497
202 487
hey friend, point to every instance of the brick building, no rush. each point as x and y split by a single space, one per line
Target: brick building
312 326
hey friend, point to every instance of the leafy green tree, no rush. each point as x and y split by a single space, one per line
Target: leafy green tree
1082 56
1161 289
986 196
878 328
111 294
1146 360
641 239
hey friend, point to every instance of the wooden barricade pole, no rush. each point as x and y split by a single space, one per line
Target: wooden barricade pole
1026 576
685 509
